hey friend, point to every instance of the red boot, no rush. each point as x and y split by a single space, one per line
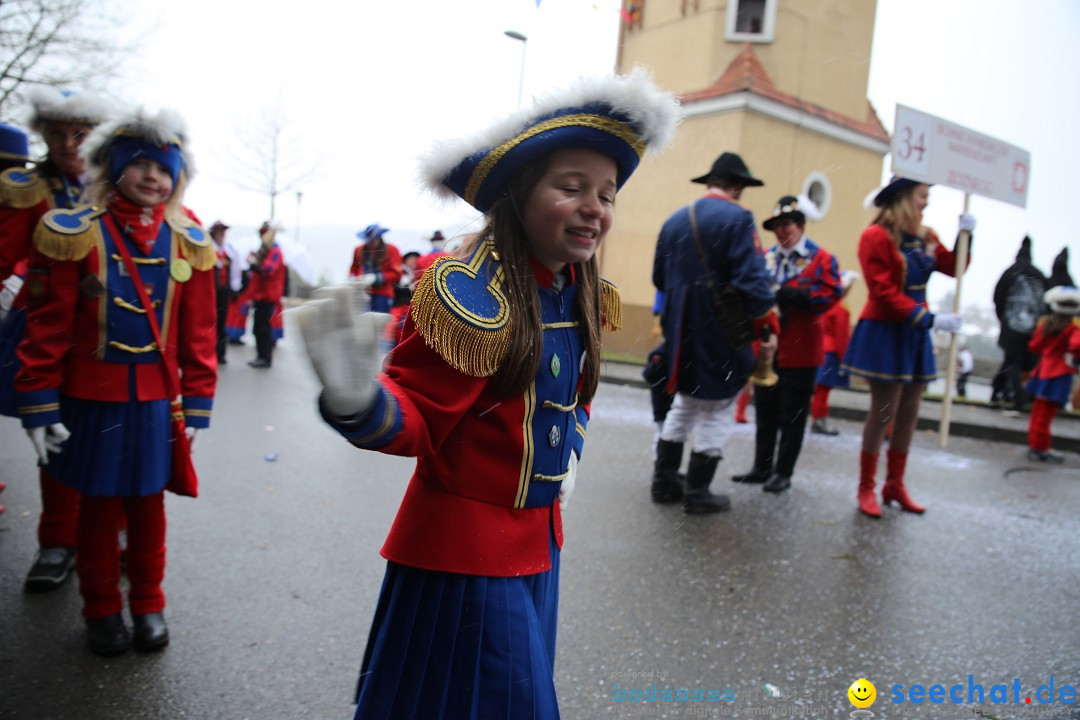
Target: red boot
868 503
741 404
894 483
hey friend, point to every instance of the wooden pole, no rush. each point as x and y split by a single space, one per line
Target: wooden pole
950 368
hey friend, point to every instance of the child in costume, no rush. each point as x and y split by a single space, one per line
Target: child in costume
835 332
63 119
1056 341
489 389
120 321
891 346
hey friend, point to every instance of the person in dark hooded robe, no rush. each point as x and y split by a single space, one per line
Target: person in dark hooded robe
1018 300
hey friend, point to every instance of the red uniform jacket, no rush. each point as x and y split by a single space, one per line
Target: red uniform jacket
87 335
388 272
1053 349
836 329
268 277
25 197
800 328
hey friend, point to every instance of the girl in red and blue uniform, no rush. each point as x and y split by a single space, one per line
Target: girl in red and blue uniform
120 320
1056 341
489 389
376 266
891 345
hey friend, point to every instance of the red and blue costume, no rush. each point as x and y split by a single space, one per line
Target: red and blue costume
90 360
1051 380
387 272
891 342
835 333
474 550
267 287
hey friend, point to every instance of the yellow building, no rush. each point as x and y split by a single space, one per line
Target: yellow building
781 82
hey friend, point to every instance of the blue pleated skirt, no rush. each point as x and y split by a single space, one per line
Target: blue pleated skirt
890 352
445 646
830 373
1056 390
116 449
11 334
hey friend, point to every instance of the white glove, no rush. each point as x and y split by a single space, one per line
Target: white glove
191 434
47 438
11 288
367 280
568 483
948 322
967 222
343 345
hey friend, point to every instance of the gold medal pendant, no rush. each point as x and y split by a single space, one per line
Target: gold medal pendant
180 270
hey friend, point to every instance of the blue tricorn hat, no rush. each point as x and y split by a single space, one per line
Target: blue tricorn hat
618 116
372 231
14 145
884 195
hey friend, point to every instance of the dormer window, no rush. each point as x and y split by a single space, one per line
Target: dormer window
751 20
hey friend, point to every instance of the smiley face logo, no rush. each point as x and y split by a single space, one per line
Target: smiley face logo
862 693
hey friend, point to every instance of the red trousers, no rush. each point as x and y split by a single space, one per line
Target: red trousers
59 513
819 408
97 558
1043 413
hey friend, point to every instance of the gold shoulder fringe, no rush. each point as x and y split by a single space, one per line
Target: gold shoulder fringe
19 193
195 244
610 306
474 351
68 234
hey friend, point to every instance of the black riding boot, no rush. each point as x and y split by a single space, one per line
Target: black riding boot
666 487
697 500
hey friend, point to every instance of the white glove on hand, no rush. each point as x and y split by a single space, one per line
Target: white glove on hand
191 434
343 345
948 322
47 438
367 280
11 288
568 483
967 222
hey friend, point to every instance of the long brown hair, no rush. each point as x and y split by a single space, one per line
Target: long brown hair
901 216
506 231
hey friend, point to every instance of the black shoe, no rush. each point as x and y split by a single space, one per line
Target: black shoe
754 477
665 491
108 635
236 341
819 427
1047 456
222 360
151 633
777 483
260 363
50 569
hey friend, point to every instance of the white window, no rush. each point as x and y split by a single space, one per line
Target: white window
816 187
751 20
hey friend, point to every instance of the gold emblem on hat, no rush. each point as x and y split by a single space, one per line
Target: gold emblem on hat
180 270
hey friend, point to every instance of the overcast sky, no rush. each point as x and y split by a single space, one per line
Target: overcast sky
367 87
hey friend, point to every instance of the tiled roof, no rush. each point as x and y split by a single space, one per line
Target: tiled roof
746 74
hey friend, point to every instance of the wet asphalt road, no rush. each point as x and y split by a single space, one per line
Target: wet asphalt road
274 571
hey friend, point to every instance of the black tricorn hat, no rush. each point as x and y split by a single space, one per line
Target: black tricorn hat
729 166
786 207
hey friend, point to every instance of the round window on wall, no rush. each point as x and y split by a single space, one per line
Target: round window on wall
817 188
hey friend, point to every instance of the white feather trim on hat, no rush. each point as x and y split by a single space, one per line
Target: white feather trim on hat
654 114
166 126
50 104
809 208
1063 299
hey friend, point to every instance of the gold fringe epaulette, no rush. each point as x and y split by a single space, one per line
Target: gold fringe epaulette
195 243
610 306
21 188
461 313
68 234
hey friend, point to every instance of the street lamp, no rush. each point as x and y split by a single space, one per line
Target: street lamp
514 34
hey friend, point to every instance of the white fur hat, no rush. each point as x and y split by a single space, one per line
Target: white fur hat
1064 299
50 104
157 133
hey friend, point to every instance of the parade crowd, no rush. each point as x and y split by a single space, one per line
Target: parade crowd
119 307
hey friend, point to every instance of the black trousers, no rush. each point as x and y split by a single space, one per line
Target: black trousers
264 338
1008 380
223 297
781 410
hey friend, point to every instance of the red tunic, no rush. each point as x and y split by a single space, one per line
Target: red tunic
388 272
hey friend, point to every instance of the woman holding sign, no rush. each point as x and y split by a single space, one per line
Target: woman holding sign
891 346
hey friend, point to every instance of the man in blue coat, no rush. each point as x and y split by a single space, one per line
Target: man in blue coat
703 249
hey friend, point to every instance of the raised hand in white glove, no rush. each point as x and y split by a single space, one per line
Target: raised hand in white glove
568 483
367 280
967 222
47 438
191 434
948 322
343 345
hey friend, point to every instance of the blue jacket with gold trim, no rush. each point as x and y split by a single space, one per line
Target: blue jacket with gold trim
483 498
